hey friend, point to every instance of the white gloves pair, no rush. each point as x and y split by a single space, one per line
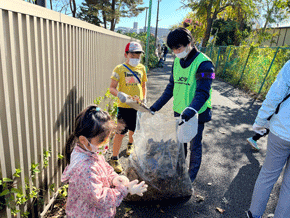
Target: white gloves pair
259 129
133 186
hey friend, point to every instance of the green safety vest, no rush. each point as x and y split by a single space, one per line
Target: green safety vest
185 84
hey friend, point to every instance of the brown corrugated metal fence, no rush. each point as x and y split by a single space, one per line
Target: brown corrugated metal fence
52 66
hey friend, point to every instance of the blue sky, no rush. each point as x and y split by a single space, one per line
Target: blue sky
169 14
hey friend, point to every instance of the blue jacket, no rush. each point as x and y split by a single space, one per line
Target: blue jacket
280 122
203 86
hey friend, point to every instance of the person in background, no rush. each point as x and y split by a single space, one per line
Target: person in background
128 79
165 51
95 190
190 86
278 148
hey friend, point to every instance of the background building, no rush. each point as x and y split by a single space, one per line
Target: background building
161 32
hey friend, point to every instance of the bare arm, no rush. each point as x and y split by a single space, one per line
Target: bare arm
144 89
113 87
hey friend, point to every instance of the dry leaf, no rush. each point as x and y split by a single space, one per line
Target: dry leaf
220 210
162 211
209 184
127 209
199 198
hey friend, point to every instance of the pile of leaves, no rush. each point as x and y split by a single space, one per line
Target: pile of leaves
163 168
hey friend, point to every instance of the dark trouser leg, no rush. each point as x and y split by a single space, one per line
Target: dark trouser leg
185 150
195 153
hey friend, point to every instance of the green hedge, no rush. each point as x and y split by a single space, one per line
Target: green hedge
253 69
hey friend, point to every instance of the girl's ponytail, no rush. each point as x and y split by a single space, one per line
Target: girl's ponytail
69 148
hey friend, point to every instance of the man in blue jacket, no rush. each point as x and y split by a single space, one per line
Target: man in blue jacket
190 86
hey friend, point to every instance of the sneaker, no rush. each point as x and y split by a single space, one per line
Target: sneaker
130 149
116 165
253 143
249 215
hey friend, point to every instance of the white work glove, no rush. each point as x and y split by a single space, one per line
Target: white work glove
135 188
259 129
120 180
122 96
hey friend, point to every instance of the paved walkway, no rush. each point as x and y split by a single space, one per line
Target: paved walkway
229 167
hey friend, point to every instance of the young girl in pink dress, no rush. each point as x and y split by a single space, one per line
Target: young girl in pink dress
95 190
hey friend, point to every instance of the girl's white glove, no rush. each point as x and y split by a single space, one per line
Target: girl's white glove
135 188
120 180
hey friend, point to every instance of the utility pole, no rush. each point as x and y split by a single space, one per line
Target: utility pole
146 19
156 30
148 35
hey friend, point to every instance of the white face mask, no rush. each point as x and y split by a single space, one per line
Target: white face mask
134 61
101 149
183 54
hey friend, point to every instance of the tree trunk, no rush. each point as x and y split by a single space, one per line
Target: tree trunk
207 32
208 24
113 19
104 19
73 7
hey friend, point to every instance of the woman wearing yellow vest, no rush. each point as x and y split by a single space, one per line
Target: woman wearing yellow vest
190 86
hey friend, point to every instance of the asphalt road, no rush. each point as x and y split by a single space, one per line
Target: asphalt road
229 166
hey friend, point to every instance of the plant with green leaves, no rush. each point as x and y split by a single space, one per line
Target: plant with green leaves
13 196
108 102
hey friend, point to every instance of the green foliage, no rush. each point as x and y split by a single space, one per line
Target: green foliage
60 156
89 14
34 169
108 103
204 13
249 68
12 196
228 33
152 59
109 12
272 11
63 191
46 155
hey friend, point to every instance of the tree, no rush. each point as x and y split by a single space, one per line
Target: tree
210 9
110 11
272 11
228 32
73 7
207 11
67 7
88 12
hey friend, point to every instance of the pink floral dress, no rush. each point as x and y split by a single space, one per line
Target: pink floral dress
91 193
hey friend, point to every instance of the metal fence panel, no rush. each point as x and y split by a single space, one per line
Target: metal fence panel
253 69
51 66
